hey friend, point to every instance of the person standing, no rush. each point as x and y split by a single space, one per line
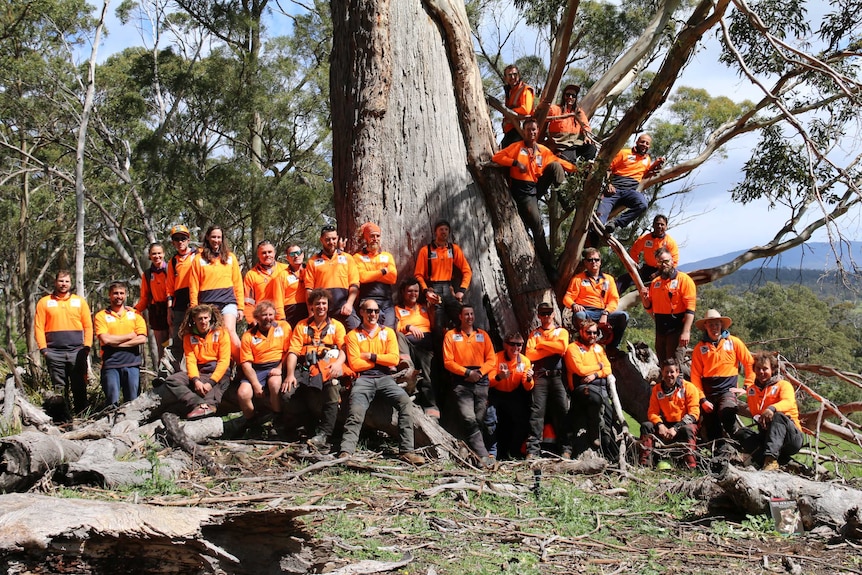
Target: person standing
260 281
468 356
715 365
121 331
511 382
372 353
177 287
546 347
63 329
154 296
377 274
445 275
215 279
519 99
646 245
671 299
290 291
335 270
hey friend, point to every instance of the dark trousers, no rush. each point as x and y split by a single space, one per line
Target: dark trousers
179 386
548 391
68 371
723 416
364 390
618 320
176 341
584 151
472 402
528 208
422 353
315 409
592 410
625 281
781 440
513 415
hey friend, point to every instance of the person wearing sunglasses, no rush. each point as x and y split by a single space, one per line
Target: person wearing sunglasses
290 290
177 287
259 282
519 100
335 270
569 132
589 368
671 299
372 352
593 294
511 382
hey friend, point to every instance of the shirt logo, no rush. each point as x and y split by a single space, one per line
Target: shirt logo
342 260
480 337
75 302
279 332
457 337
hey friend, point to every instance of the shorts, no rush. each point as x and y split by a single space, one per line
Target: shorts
229 309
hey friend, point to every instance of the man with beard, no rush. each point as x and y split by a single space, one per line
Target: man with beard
533 169
259 281
568 133
625 173
335 270
647 244
372 352
121 331
63 330
670 298
674 408
377 274
262 353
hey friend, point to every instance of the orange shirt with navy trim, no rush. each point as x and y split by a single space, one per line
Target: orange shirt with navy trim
216 282
629 164
154 288
721 360
600 292
517 369
260 349
63 323
123 322
177 282
544 343
674 295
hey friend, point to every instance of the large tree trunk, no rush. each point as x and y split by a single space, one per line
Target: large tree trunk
410 134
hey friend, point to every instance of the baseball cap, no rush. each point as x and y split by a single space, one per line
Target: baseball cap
180 230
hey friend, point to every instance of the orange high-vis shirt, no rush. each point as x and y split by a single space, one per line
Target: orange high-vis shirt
216 282
154 288
516 367
177 282
63 323
260 285
260 349
779 395
461 351
383 342
417 317
600 293
443 259
212 347
583 360
535 159
671 407
544 343
648 244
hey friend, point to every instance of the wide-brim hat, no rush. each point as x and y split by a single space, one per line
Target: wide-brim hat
726 322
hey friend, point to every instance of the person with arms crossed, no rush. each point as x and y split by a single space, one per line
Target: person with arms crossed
121 332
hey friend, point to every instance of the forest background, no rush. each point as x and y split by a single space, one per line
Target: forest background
220 112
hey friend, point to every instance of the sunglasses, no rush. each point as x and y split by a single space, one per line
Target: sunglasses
293 254
179 239
592 332
515 343
593 259
328 228
546 313
371 310
570 95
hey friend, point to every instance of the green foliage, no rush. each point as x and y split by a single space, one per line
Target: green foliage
777 170
158 482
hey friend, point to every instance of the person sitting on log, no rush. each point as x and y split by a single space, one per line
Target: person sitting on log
414 339
263 349
314 363
372 352
674 409
772 403
206 343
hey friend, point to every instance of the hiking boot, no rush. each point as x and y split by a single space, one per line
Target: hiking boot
344 455
531 457
567 455
319 442
489 463
203 410
412 458
690 458
770 464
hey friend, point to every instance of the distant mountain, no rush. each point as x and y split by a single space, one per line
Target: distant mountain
817 256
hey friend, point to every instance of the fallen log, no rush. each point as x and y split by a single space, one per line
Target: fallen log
820 503
125 538
25 458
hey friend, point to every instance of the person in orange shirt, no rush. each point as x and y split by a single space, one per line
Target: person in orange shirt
372 352
511 382
414 338
772 403
177 287
593 294
264 348
589 369
335 270
716 361
377 274
206 342
121 332
671 299
154 296
215 279
63 329
646 245
444 274
290 290
674 408
468 356
532 169
568 133
519 99
546 346
625 173
313 366
260 281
